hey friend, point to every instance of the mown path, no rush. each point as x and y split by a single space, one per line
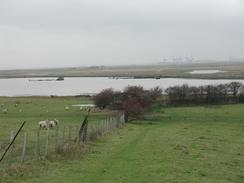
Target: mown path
111 160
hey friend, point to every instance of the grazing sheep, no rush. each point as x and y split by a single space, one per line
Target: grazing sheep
56 121
53 124
5 111
66 108
95 109
43 124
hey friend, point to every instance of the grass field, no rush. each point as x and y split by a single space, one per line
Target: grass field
35 109
180 144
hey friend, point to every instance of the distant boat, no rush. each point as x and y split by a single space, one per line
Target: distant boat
60 78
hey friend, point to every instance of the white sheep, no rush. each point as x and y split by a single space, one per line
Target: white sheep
56 121
53 124
5 111
43 124
66 108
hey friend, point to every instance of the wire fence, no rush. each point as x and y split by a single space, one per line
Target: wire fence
43 144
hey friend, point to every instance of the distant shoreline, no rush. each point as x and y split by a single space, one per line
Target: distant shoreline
232 71
117 77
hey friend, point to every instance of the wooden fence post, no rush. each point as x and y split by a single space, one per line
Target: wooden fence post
83 129
117 122
105 125
100 128
10 152
77 134
56 138
109 124
38 144
47 144
63 136
85 132
114 123
11 143
69 134
0 146
24 147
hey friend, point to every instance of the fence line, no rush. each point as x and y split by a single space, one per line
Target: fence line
40 145
47 143
24 147
63 137
11 147
0 148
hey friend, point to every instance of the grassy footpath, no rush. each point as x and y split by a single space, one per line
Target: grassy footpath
185 144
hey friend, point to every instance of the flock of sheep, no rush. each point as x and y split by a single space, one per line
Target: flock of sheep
5 110
48 124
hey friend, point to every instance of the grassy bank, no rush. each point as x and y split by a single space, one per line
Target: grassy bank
182 144
233 71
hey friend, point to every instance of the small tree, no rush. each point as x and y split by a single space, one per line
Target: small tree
104 98
135 101
234 87
241 95
155 93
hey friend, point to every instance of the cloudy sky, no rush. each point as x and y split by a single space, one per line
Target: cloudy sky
58 33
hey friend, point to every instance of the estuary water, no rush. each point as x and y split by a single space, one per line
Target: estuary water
89 85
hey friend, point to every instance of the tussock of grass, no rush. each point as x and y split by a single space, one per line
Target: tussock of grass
155 117
72 150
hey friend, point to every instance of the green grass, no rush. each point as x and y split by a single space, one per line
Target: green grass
34 109
181 144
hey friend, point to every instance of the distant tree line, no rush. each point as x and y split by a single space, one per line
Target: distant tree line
210 94
135 100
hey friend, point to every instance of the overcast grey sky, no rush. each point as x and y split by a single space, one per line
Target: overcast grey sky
57 33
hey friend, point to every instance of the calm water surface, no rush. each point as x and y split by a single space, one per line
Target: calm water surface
205 71
76 86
